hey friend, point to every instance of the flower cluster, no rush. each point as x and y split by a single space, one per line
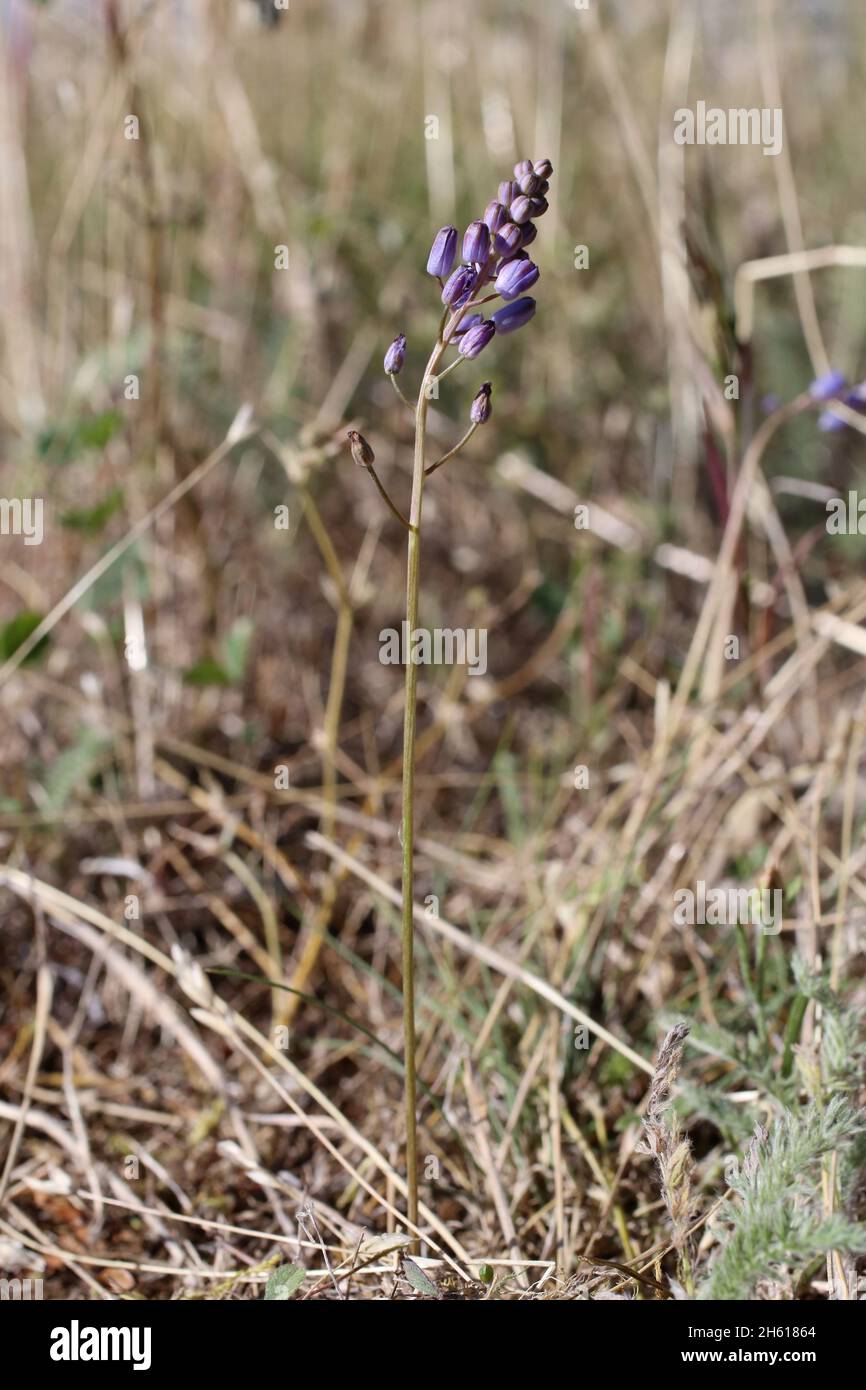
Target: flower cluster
494 255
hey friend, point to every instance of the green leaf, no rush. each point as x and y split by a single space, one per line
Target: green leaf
63 442
419 1280
284 1282
92 520
207 672
236 649
16 631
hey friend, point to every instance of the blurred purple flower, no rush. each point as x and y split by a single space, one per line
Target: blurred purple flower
855 399
442 252
514 316
827 386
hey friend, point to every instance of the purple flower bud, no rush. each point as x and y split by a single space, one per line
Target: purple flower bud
543 188
396 355
508 240
516 277
469 322
361 452
827 386
543 168
539 206
476 339
442 252
514 316
481 409
495 215
521 209
523 166
458 286
476 242
529 233
508 191
530 184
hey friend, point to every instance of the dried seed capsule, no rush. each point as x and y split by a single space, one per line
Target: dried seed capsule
361 452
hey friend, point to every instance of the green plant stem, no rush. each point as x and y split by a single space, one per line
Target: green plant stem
407 820
451 452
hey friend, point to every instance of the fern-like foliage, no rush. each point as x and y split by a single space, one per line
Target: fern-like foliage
778 1219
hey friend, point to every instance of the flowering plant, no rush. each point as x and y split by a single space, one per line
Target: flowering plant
495 264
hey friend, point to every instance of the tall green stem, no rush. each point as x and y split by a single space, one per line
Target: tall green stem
407 823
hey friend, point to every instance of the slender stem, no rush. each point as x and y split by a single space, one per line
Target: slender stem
407 821
399 515
394 382
451 452
450 368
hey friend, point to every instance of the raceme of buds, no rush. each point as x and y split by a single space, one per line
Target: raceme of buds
513 316
361 452
515 278
476 339
442 252
481 408
458 287
476 242
396 355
